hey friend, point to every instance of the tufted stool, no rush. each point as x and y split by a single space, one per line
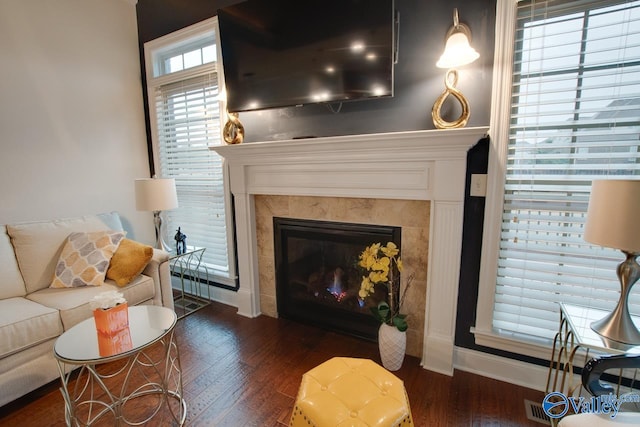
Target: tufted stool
351 392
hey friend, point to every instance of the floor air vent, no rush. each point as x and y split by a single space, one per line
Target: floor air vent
536 413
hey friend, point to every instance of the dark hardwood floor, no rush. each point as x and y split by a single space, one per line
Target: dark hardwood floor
245 372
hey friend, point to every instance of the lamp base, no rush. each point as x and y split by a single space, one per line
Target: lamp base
618 325
160 243
157 222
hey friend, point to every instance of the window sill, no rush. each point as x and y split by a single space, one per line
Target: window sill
513 344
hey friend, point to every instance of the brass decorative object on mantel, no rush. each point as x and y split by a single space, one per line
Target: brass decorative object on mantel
450 82
233 131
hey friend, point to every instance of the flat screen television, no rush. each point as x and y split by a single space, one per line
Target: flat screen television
279 53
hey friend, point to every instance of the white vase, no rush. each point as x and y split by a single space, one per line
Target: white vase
392 344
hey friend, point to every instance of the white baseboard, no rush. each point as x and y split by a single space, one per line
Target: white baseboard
501 368
221 295
437 355
224 296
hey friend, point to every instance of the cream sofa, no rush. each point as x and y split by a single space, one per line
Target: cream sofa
32 315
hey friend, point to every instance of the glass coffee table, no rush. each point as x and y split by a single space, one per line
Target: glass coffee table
144 380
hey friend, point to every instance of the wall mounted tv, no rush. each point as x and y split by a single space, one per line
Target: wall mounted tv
279 53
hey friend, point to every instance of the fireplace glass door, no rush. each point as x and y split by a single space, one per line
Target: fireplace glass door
317 273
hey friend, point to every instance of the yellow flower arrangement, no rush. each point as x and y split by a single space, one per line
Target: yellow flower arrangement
380 262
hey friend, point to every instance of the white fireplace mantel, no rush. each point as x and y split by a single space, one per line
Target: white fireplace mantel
421 165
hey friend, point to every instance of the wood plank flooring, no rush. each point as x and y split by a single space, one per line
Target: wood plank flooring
245 372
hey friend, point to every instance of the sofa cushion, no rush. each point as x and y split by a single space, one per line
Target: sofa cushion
129 260
85 258
111 220
25 323
38 245
11 283
74 303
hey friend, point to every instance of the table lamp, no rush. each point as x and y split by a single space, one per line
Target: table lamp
613 221
157 195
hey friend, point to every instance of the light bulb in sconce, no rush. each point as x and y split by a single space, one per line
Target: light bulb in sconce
457 52
457 49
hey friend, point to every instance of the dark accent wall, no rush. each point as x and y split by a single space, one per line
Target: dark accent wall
477 161
418 82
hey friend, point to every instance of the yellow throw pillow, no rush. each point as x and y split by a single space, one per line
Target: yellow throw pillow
85 258
128 261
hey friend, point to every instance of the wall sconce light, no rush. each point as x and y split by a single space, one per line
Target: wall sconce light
457 52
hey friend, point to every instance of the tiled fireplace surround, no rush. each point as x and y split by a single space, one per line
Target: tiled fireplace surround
410 179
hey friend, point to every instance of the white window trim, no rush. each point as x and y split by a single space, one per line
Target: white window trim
499 132
210 25
165 43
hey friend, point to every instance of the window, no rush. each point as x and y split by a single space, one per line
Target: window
184 102
573 98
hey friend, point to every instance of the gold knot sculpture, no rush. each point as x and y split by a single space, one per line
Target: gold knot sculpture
233 131
450 82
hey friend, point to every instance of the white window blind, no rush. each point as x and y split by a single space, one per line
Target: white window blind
188 117
575 117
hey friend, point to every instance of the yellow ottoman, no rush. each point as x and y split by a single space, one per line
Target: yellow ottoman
351 392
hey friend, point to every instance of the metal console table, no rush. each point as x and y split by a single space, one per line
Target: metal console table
575 342
192 273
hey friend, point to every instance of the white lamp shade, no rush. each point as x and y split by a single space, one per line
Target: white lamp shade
457 52
613 217
156 194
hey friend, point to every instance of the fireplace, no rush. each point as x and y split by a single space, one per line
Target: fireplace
317 276
405 166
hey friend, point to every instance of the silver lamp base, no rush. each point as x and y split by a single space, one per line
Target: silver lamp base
618 325
160 243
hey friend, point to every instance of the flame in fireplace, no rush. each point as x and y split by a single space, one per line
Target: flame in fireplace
336 286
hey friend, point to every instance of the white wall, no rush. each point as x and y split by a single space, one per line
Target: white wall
72 135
